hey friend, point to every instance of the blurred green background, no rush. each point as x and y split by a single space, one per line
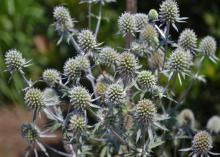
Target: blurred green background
27 26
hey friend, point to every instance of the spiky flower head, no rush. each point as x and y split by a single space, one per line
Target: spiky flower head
141 20
145 111
169 11
146 80
72 69
186 118
29 133
208 46
180 60
103 82
127 64
139 48
87 40
51 76
77 123
153 15
80 97
101 88
63 19
127 23
213 124
202 143
187 40
108 56
115 94
34 98
83 62
156 60
14 60
149 33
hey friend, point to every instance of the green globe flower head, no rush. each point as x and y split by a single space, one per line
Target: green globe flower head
29 133
141 20
186 118
146 80
82 62
108 56
51 76
127 24
153 15
213 124
77 124
34 98
149 34
72 69
208 46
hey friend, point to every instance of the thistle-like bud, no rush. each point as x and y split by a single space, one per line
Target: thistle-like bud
156 60
180 60
80 98
127 23
29 133
77 123
87 40
145 110
141 20
127 64
187 40
115 94
34 98
108 56
169 11
153 15
186 118
208 46
63 19
213 124
202 143
51 76
82 62
146 80
72 69
14 60
149 33
139 48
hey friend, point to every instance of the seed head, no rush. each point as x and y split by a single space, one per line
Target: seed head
146 80
153 15
14 60
127 64
51 76
213 124
80 97
115 94
180 60
156 59
87 40
34 98
72 69
202 143
108 56
208 46
83 62
29 132
149 33
77 124
145 110
63 19
169 11
186 118
187 40
141 20
127 23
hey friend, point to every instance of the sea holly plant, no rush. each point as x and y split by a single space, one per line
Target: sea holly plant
128 108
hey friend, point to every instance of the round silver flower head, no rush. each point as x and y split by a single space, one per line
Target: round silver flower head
146 80
86 40
149 34
127 64
77 124
127 24
72 69
82 62
153 15
213 124
63 19
14 60
186 118
139 48
187 40
169 11
29 133
141 20
34 98
208 46
51 76
156 59
115 95
108 56
80 97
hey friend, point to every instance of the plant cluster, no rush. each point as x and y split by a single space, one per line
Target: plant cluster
128 108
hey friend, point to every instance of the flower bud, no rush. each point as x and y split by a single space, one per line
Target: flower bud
186 118
208 46
153 15
213 124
